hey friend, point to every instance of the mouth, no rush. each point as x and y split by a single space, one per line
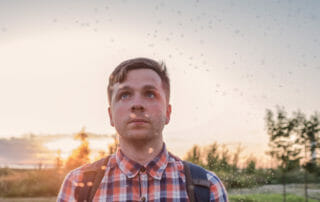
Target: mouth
138 121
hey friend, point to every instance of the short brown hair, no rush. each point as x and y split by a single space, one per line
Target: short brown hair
119 74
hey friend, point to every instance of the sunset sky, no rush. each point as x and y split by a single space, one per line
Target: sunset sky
228 61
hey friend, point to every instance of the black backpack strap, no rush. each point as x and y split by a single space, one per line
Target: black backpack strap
198 185
91 180
189 184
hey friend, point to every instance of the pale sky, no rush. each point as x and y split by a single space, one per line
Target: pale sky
228 61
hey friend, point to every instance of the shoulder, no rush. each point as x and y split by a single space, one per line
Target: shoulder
77 173
178 163
217 190
212 177
75 177
70 182
204 177
201 172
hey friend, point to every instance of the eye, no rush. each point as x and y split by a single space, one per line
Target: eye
150 94
124 95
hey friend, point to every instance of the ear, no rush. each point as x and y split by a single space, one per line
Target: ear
168 113
110 116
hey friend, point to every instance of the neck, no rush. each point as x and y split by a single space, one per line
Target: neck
141 151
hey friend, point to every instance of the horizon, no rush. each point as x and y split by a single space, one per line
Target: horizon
46 149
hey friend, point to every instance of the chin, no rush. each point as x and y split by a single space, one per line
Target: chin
139 136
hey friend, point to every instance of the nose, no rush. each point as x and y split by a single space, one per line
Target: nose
137 105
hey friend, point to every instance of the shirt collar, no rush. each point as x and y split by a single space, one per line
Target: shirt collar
154 168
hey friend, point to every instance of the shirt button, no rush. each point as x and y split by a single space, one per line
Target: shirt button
143 169
143 199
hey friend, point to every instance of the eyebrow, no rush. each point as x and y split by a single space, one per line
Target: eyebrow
124 88
149 87
146 87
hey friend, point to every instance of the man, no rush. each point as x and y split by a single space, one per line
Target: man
141 169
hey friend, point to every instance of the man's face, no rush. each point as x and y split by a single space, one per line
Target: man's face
138 108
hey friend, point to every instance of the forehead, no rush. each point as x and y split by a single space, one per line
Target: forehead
140 78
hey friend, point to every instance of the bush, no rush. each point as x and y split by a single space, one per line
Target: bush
242 179
294 176
5 171
31 183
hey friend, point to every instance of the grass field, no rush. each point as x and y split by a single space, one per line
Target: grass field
32 199
294 189
266 198
232 198
265 193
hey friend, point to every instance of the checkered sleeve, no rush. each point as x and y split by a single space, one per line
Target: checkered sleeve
66 193
217 191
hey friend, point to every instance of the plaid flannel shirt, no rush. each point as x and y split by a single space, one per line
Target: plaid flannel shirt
162 179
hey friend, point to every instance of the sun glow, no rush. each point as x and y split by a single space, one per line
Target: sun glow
64 146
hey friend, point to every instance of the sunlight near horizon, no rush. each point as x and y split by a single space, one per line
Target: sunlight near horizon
66 145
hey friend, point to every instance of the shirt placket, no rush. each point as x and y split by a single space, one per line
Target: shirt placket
143 185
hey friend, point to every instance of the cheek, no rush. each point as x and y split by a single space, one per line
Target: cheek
159 112
118 114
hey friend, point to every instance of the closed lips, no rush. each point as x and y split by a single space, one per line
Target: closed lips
138 120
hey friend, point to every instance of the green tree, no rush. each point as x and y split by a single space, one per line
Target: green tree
194 155
251 165
308 132
236 158
212 157
224 159
281 131
309 137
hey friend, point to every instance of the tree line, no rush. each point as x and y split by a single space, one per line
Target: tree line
293 142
